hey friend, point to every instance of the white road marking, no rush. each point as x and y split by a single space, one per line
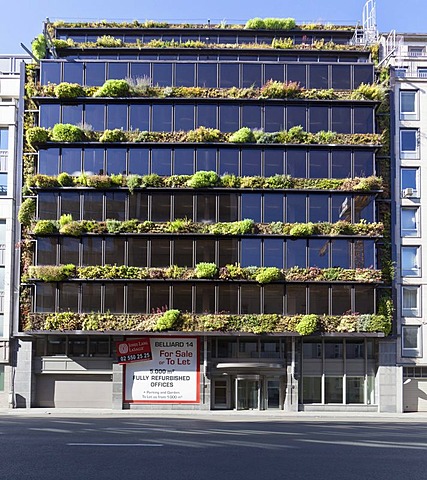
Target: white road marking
114 444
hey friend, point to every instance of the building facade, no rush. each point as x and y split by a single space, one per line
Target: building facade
406 56
201 221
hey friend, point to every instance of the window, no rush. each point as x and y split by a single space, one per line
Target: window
410 301
409 143
422 72
411 341
415 51
408 110
410 260
409 221
409 182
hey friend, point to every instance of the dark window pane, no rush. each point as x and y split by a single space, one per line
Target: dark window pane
184 74
69 297
251 116
183 206
160 253
251 73
162 118
117 116
363 163
50 72
138 206
183 253
341 208
205 298
46 251
251 252
206 208
161 161
364 253
160 208
69 252
341 253
73 72
228 252
117 70
364 297
341 77
295 208
136 298
319 299
93 206
318 119
71 161
184 117
229 162
273 253
296 253
162 74
273 163
207 75
296 73
206 159
319 208
45 297
296 163
251 206
49 115
318 76
72 114
116 161
273 208
296 303
250 299
205 251
318 253
140 70
229 118
318 164
182 297
92 251
47 205
138 161
228 207
251 163
114 251
274 118
206 116
114 300
296 116
70 204
227 298
341 164
363 74
184 161
363 120
363 208
49 161
341 119
137 252
95 73
91 297
274 72
159 297
94 116
341 299
273 299
139 117
229 75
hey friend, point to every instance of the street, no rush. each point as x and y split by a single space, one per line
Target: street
208 447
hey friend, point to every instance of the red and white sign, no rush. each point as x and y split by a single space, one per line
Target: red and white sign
172 375
134 350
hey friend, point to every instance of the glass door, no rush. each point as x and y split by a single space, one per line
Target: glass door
273 393
247 393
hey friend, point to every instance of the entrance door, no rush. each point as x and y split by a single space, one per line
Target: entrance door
221 393
247 393
273 393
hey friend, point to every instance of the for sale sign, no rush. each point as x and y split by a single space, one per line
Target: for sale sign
134 350
172 375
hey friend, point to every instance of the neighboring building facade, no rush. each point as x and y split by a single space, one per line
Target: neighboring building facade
10 83
406 54
279 237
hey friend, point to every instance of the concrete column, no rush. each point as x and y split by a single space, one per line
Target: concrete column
291 392
117 401
24 379
387 377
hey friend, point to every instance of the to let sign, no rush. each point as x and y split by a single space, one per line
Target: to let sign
134 350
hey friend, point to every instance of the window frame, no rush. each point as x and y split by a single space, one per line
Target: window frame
411 351
409 115
410 232
411 311
409 154
415 269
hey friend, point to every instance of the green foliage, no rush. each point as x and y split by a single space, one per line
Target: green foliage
282 43
152 180
206 270
268 275
69 90
45 227
98 181
65 132
302 230
27 211
271 23
179 225
202 179
44 181
369 92
240 227
65 180
74 229
379 323
108 41
113 88
255 24
37 135
132 182
167 320
307 325
276 89
65 219
39 46
203 134
244 135
115 135
52 273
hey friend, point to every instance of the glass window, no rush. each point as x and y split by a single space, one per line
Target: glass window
251 252
228 253
183 253
138 161
162 118
408 105
296 73
117 70
251 73
184 117
363 163
251 206
274 118
46 251
183 206
205 251
138 206
47 205
229 118
139 117
341 77
296 253
228 298
49 115
228 207
319 164
229 161
251 116
312 389
162 74
69 297
409 143
296 163
71 161
273 253
207 75
355 389
318 253
250 299
354 349
137 252
69 251
364 299
363 74
274 72
114 250
206 116
136 298
73 72
410 301
333 349
116 161
95 73
72 114
184 74
318 118
184 161
410 259
48 161
319 299
319 208
363 120
161 161
182 297
409 181
318 76
363 208
341 253
50 72
45 297
296 116
114 300
205 299
160 252
364 253
160 208
229 75
91 297
92 251
251 163
341 299
94 116
411 340
409 222
296 303
273 163
273 299
141 71
273 208
117 116
296 208
93 206
341 119
206 159
341 164
70 204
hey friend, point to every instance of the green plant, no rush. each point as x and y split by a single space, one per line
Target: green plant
45 227
206 270
115 135
65 219
255 24
44 181
167 320
37 135
39 46
282 43
27 211
65 132
369 92
202 179
69 90
203 134
73 228
152 180
65 180
279 23
244 135
179 225
307 325
108 41
268 275
302 230
113 88
52 273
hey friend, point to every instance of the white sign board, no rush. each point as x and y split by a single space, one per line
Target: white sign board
171 376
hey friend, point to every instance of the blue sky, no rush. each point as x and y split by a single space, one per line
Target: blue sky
22 20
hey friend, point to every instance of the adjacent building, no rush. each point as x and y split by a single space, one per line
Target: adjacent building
206 231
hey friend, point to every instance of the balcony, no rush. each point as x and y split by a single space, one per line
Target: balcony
10 64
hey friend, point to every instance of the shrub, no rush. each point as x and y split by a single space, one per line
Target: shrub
267 275
45 181
98 181
108 41
132 182
113 88
379 323
179 225
279 23
74 229
206 270
203 134
115 135
276 89
52 273
369 92
152 180
167 320
37 135
69 90
27 211
307 325
45 227
145 136
65 180
203 179
39 46
255 24
230 181
283 43
326 137
244 135
65 219
65 132
302 229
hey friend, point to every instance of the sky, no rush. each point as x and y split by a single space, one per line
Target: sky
22 20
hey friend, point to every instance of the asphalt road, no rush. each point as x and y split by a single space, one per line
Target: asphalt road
190 448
